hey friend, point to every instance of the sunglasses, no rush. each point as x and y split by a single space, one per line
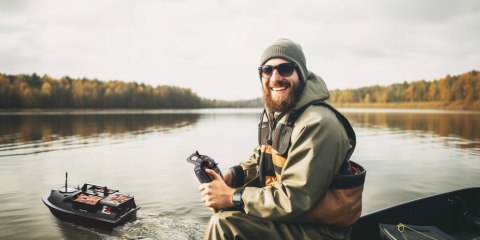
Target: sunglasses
284 69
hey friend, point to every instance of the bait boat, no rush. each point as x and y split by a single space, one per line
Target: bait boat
91 205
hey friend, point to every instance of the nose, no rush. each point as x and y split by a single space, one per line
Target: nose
276 76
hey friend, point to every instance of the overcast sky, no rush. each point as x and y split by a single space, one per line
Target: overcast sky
214 46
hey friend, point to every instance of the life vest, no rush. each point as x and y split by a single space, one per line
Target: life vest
342 203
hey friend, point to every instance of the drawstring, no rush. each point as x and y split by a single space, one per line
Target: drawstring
401 228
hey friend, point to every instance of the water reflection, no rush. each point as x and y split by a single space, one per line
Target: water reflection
26 134
415 154
407 155
443 124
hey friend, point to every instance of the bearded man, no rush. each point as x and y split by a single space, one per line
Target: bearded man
284 190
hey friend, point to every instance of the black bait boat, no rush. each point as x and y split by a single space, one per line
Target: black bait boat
91 205
451 215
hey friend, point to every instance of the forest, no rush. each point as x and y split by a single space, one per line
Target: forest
451 92
33 91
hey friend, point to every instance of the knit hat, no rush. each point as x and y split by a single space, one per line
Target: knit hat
288 50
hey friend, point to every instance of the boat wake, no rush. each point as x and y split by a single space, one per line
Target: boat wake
159 227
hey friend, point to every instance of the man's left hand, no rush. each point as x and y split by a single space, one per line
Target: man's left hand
216 194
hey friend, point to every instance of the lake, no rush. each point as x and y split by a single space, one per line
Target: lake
407 153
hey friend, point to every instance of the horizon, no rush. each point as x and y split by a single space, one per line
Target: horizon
254 98
213 47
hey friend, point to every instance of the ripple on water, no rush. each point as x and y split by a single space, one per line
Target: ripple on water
160 227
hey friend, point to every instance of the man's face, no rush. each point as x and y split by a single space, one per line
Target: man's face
281 93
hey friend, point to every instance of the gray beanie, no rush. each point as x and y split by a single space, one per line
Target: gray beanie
288 50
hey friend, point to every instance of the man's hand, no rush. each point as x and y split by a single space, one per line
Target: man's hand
216 194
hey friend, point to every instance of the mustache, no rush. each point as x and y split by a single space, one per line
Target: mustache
280 84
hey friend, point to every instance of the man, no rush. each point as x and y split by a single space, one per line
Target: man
284 190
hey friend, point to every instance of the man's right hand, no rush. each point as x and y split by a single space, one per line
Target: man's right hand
216 194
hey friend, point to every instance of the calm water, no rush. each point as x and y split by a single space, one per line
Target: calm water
408 154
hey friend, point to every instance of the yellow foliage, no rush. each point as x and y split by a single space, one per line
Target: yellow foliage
46 88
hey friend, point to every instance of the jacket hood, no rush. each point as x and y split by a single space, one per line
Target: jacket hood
315 89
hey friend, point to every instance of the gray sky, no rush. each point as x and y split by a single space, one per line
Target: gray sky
214 46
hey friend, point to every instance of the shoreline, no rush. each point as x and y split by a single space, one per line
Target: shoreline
415 106
455 106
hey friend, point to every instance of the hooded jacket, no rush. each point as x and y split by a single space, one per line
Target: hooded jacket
318 146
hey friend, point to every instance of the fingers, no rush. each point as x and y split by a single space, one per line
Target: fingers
210 191
206 200
203 191
207 194
202 187
212 173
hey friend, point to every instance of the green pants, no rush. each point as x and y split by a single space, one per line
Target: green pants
238 225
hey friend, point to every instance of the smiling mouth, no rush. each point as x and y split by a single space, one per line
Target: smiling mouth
278 89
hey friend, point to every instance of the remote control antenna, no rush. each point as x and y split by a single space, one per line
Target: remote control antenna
66 178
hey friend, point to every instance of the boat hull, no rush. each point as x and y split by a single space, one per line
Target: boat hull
448 212
102 214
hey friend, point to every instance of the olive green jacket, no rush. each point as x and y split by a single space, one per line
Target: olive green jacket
318 147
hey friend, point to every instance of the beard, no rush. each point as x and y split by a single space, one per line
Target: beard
285 102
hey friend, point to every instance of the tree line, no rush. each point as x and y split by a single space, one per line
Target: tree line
33 91
463 89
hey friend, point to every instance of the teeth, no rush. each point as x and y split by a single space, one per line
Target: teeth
279 88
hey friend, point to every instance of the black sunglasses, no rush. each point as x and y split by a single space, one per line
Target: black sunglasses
284 69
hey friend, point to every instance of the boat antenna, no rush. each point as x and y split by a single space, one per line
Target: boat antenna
66 177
